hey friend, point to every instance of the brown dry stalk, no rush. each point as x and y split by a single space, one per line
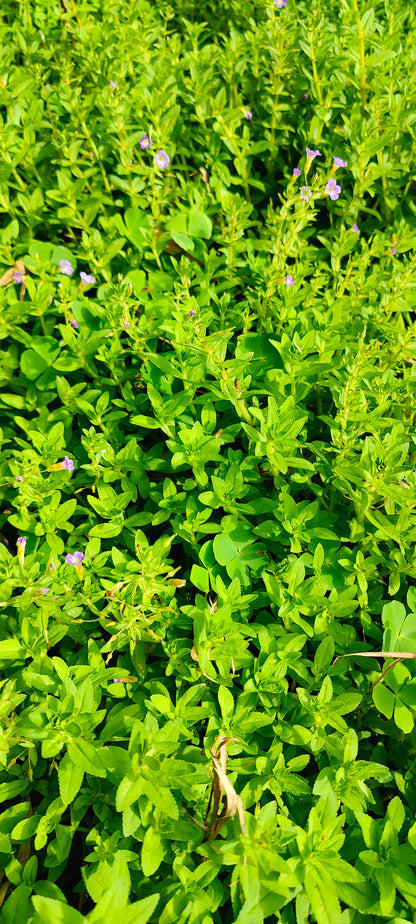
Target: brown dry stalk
221 787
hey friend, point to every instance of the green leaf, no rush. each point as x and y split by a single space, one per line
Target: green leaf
152 852
70 777
12 650
86 757
321 892
199 225
52 911
199 577
384 700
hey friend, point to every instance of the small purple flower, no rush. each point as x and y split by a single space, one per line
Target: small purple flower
113 84
162 159
125 323
42 36
247 114
192 313
280 4
17 277
74 323
87 279
305 193
338 162
45 590
393 252
355 228
21 545
68 464
52 566
145 142
333 189
75 559
289 280
296 171
118 680
66 267
312 154
19 478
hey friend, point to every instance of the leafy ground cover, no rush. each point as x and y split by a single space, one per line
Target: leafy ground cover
208 594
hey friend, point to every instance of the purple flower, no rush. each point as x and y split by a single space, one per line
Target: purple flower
21 545
19 478
355 228
289 280
45 590
296 172
74 323
113 84
125 322
75 559
42 36
118 680
17 277
338 162
332 189
305 193
312 154
162 159
66 267
191 313
280 4
52 566
68 464
87 279
393 252
247 114
145 142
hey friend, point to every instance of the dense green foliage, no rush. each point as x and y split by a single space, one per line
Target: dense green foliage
199 720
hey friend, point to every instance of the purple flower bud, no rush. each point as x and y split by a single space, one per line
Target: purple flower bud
66 267
393 252
162 159
17 277
305 193
113 84
338 162
42 36
21 542
289 280
19 478
356 229
191 313
280 4
87 279
75 559
333 189
52 566
145 142
247 114
312 154
296 172
45 590
74 323
118 680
